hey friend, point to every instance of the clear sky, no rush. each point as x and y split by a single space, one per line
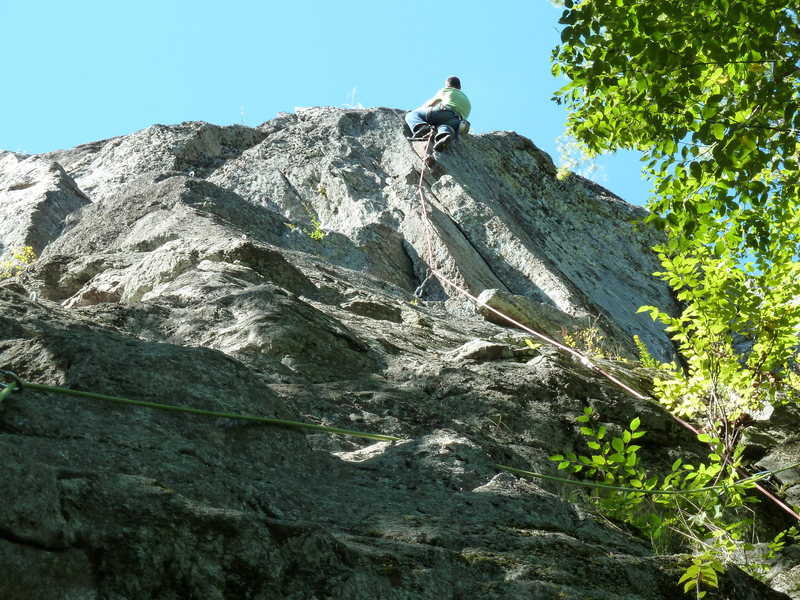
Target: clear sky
86 70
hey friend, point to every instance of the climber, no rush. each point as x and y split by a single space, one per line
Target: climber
446 112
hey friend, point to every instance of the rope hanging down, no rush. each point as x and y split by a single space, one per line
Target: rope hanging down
18 385
583 359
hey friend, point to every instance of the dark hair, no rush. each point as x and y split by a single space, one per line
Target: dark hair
453 82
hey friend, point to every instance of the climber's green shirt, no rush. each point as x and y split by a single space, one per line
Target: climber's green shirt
455 98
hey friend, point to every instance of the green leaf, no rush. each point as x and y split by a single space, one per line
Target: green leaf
618 444
703 437
634 424
690 573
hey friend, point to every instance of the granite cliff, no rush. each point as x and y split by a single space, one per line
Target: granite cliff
272 271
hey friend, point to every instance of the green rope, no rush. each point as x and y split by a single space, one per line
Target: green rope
198 411
605 486
10 387
17 384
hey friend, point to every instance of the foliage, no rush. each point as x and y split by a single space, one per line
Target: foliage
701 572
19 258
531 344
779 542
615 462
677 512
315 231
645 358
590 340
738 346
709 91
573 158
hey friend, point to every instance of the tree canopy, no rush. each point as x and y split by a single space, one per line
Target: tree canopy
709 90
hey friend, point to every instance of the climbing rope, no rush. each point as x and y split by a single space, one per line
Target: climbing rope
14 386
428 242
761 475
17 384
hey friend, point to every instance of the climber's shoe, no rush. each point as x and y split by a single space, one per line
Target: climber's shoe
421 132
442 140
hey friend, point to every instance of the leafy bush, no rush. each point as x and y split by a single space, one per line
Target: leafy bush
19 258
700 508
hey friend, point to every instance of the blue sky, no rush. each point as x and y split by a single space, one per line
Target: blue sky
81 71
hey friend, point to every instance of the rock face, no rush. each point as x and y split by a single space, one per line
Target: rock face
272 271
37 195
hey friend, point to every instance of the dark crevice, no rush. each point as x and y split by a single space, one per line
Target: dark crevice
13 538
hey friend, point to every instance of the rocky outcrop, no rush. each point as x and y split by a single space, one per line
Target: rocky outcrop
37 195
272 271
502 220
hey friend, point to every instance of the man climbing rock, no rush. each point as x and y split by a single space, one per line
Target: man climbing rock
444 112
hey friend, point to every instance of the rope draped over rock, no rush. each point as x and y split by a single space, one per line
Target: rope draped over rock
18 385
